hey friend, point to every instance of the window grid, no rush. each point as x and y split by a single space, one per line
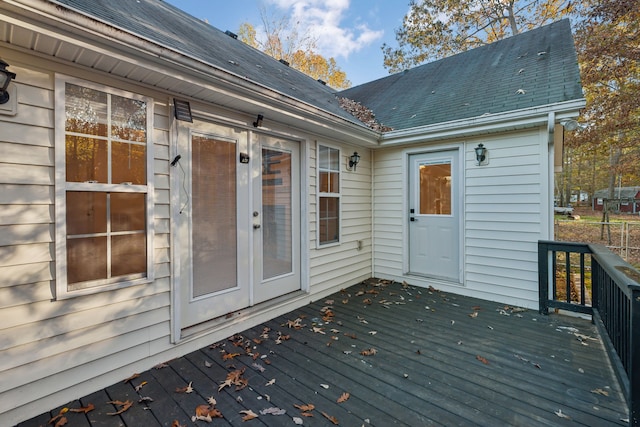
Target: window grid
329 181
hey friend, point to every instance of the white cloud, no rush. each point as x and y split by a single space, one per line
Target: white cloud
326 21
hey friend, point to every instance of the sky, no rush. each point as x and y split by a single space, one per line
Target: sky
351 31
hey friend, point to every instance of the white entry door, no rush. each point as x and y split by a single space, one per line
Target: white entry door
238 221
276 217
434 212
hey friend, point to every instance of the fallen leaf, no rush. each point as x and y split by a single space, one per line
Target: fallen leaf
306 408
132 377
59 416
139 386
600 391
212 401
273 411
230 356
124 406
271 382
187 389
208 364
306 414
176 423
352 336
249 415
84 409
325 386
369 352
474 314
482 359
145 399
561 415
373 332
318 330
297 421
61 422
343 398
330 418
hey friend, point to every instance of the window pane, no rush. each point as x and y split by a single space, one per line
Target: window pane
128 254
86 213
86 260
323 157
334 160
214 215
435 189
85 110
335 182
329 219
128 163
128 119
86 159
277 257
324 182
128 212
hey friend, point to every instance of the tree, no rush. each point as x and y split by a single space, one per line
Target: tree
283 40
434 29
608 44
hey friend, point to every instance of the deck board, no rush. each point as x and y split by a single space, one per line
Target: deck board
426 370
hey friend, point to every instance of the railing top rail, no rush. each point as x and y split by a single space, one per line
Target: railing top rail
627 277
566 246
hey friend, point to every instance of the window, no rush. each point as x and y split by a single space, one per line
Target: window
103 189
328 195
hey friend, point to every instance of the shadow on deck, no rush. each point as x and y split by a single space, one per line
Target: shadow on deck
405 356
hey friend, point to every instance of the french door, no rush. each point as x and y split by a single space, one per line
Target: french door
434 212
238 222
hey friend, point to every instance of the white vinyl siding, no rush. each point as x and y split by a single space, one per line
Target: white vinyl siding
504 218
55 350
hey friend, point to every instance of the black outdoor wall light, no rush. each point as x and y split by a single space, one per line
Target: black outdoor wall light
258 121
354 159
481 154
5 78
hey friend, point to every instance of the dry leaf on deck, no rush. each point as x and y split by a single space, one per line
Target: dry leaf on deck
60 415
230 356
249 415
482 359
84 409
561 415
124 406
139 386
132 377
368 352
271 382
334 420
343 398
176 423
352 336
306 408
187 389
600 391
474 314
318 330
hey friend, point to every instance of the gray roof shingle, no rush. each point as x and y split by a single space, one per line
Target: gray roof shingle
535 68
168 26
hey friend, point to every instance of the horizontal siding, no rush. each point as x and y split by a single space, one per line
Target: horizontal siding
502 205
51 346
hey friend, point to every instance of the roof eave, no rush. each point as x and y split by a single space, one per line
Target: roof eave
485 124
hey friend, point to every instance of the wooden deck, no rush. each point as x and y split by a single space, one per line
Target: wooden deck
405 356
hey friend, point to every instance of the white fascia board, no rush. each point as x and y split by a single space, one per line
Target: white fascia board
489 123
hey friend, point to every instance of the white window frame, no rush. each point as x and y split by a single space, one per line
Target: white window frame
61 187
320 194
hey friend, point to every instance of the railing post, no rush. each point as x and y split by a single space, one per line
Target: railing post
543 277
634 359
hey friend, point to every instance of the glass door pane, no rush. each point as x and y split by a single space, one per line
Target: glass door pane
214 219
276 211
435 189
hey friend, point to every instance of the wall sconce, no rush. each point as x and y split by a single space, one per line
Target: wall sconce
258 121
481 155
354 159
5 78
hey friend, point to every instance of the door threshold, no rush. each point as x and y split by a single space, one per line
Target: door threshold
242 316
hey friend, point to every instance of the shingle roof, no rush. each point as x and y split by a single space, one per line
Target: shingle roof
531 69
168 26
628 193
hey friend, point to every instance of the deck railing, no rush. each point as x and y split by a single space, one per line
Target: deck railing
590 279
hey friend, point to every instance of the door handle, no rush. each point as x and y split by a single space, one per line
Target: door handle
412 219
256 226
